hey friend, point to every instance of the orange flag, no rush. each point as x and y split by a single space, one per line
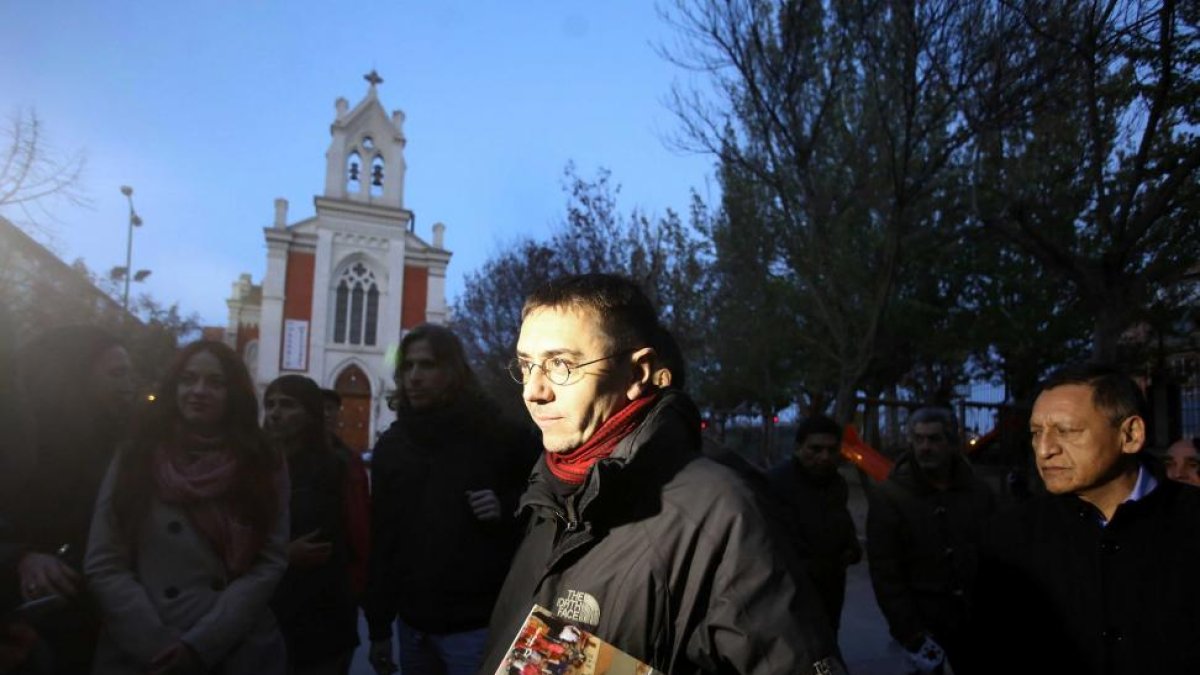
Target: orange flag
864 456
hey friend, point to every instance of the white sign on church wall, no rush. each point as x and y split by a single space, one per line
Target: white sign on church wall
295 345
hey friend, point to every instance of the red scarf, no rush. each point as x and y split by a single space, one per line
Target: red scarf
200 483
571 467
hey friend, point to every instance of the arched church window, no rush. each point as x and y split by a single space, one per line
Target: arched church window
353 169
356 315
372 315
377 176
367 143
341 300
356 306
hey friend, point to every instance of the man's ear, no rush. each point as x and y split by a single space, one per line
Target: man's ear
1133 434
642 363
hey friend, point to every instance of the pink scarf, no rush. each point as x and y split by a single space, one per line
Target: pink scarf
200 483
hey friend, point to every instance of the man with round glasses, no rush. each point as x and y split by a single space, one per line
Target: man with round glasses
632 534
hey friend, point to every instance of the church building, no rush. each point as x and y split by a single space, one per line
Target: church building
343 286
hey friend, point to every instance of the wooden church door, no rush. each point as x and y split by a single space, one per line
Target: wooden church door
354 422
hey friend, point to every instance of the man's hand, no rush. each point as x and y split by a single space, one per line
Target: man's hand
380 657
43 574
485 504
306 551
178 659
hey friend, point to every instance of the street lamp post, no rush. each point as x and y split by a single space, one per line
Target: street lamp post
134 221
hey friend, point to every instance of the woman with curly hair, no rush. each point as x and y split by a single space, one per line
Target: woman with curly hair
189 537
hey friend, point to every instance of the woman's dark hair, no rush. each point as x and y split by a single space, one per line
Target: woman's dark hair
51 370
255 496
312 399
59 439
448 350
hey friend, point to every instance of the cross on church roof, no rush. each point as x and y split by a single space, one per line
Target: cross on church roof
373 77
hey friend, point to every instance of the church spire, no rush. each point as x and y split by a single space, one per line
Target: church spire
373 77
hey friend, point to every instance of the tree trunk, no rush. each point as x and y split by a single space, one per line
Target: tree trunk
767 453
1106 331
844 406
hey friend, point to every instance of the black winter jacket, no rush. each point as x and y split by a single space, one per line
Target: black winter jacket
922 547
821 530
315 606
432 562
666 555
1058 593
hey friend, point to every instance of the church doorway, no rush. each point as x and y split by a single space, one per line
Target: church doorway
354 422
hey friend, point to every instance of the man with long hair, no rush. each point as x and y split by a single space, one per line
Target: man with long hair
445 479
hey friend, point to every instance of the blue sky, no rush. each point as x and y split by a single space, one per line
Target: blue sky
211 110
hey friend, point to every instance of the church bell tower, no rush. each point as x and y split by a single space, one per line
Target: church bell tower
365 160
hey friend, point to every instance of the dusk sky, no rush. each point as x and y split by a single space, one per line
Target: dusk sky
212 110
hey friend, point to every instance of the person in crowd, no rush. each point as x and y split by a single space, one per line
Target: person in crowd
358 496
445 479
314 603
923 529
1099 574
814 497
189 536
632 534
75 390
1182 461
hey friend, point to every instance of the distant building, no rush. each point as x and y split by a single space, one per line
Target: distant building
39 291
342 286
1178 390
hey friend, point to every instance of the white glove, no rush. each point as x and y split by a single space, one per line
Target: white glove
928 656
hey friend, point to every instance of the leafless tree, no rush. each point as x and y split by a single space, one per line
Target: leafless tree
33 172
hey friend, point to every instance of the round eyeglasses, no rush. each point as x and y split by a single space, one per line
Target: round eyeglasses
556 368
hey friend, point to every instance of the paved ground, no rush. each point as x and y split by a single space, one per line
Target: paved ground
864 639
865 643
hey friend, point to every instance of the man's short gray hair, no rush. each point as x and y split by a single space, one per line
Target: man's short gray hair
943 416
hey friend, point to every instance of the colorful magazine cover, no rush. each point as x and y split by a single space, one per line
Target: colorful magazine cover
549 645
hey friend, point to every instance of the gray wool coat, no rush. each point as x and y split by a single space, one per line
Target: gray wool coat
171 585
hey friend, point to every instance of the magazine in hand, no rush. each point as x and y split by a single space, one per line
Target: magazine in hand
549 645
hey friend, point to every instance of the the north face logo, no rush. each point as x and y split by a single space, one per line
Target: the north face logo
579 607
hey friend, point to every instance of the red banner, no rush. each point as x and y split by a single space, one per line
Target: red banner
870 460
